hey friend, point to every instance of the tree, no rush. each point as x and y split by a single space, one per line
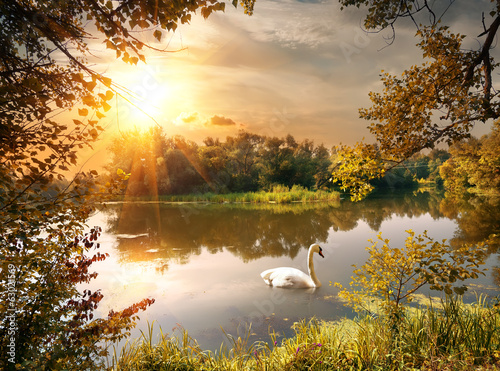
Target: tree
394 275
243 157
276 160
140 154
161 165
44 321
439 101
474 166
286 162
184 172
322 164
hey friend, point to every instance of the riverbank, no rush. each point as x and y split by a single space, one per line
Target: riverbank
449 335
278 195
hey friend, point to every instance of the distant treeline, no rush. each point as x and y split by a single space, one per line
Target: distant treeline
244 163
470 166
419 168
250 162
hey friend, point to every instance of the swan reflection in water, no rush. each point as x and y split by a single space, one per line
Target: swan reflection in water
292 278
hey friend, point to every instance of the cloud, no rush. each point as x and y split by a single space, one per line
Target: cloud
220 121
197 121
295 24
187 118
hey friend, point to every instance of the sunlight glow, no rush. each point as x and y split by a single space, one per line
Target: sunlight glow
144 96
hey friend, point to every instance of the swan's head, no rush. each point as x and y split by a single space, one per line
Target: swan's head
317 248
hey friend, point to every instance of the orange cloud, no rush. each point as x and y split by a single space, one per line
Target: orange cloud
187 118
217 120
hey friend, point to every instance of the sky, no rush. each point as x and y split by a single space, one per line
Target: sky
293 67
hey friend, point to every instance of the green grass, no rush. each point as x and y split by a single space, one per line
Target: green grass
279 194
451 336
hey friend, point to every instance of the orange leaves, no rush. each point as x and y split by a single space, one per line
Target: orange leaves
429 103
92 102
105 106
88 100
157 34
108 96
106 81
83 112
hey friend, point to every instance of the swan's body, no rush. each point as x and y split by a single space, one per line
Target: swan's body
293 278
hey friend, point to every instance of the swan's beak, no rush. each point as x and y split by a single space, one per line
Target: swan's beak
321 254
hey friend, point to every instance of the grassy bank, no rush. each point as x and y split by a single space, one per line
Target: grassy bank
452 336
279 195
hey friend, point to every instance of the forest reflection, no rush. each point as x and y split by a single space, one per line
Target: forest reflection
172 233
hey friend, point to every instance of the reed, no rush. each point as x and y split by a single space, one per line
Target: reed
278 194
452 336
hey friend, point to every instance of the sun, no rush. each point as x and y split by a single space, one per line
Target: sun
143 95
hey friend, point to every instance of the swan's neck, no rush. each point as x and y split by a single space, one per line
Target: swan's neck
310 266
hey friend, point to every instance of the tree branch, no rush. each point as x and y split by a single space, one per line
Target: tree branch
484 55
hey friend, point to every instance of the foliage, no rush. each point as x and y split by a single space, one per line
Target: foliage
475 165
452 335
394 275
361 160
284 161
50 105
439 101
47 322
244 163
417 170
279 195
162 165
36 84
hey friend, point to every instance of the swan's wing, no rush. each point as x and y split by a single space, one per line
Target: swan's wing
287 277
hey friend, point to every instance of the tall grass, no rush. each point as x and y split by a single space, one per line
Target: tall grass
278 194
453 336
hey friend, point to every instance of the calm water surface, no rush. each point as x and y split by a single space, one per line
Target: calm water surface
202 263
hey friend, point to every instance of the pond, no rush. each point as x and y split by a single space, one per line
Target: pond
202 262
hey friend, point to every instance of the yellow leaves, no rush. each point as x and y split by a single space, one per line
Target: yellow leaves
122 175
394 274
106 81
356 167
206 11
186 18
90 101
404 116
106 106
108 96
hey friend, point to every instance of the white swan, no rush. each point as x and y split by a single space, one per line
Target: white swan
292 278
